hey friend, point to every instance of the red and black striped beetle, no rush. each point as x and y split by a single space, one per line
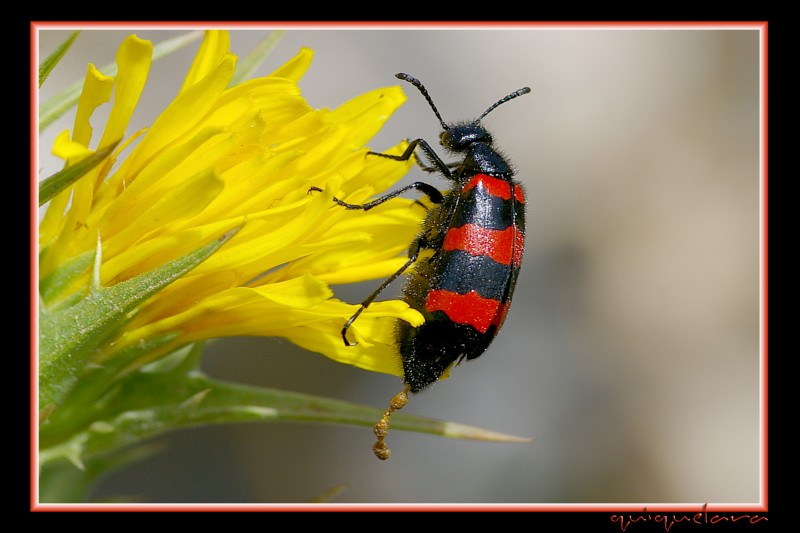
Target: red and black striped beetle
476 233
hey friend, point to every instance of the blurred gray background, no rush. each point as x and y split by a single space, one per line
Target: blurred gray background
631 354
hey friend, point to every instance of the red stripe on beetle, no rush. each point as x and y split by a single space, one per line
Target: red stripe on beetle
494 186
503 246
471 308
519 247
501 314
519 194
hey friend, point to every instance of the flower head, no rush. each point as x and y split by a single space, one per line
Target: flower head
202 226
219 158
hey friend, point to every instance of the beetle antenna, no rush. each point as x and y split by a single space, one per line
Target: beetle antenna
520 92
418 84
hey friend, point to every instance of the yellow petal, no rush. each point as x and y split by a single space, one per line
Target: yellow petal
53 219
298 293
365 115
133 65
216 43
67 149
158 178
97 88
295 67
180 202
181 116
375 357
373 331
266 310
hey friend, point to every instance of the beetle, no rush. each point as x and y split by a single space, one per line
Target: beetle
466 257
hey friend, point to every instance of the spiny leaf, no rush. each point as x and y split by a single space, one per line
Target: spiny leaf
151 402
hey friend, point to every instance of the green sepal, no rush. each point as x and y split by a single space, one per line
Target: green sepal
52 185
246 66
46 66
69 336
94 395
56 289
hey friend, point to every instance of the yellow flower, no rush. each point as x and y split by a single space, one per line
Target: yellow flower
221 157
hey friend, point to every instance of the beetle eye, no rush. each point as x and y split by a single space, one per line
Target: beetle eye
446 138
